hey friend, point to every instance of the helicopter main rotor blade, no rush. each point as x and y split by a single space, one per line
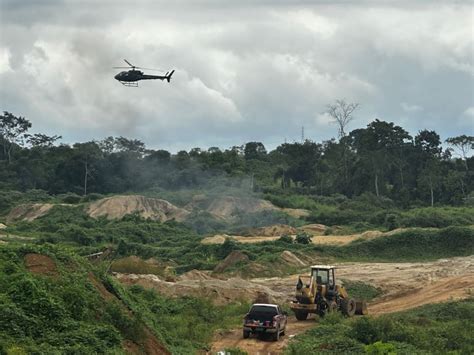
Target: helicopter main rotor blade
151 69
126 61
120 67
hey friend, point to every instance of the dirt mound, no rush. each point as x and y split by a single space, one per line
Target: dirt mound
217 239
296 212
194 275
29 212
117 207
228 207
276 230
2 226
460 287
219 291
233 258
40 264
313 229
291 259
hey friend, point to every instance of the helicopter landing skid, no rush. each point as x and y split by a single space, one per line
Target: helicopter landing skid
132 84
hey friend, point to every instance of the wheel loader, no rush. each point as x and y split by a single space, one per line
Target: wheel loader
320 293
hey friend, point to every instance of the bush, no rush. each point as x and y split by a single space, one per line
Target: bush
285 239
70 198
303 238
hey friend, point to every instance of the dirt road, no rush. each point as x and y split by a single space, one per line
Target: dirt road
405 286
260 346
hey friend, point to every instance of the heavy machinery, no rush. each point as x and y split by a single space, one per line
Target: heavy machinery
320 293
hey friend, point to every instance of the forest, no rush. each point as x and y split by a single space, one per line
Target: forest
381 159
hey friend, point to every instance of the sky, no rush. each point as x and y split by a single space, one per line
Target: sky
245 70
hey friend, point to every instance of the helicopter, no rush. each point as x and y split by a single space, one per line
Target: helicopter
131 77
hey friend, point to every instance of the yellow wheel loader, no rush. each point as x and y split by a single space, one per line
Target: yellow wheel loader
320 293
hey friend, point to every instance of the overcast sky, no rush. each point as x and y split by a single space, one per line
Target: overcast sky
245 70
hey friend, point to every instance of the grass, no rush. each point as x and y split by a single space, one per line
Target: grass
66 314
439 328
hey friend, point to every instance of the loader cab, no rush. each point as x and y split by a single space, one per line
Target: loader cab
324 275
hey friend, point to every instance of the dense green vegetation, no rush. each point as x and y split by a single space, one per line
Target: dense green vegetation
64 312
432 329
383 159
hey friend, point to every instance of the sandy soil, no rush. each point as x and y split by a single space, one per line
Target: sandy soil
117 207
405 286
263 345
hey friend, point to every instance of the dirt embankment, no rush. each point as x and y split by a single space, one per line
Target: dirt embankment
40 264
29 212
117 207
228 207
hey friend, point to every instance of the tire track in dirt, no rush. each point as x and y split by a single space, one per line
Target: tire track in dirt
405 286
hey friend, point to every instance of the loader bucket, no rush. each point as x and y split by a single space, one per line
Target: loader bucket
361 308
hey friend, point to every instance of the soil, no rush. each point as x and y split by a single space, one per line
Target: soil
228 207
291 259
40 264
29 212
233 258
117 207
276 230
263 345
405 286
2 226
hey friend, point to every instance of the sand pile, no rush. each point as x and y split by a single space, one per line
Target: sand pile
195 275
117 207
29 212
233 258
216 239
313 229
228 207
218 291
291 259
276 230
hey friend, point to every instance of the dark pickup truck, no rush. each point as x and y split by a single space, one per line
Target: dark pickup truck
265 319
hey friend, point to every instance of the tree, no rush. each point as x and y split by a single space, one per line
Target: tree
87 153
464 144
254 150
41 140
341 113
12 132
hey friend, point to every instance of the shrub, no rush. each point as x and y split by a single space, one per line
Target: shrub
303 238
70 198
285 239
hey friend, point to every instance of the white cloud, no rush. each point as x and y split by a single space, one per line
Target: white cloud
244 71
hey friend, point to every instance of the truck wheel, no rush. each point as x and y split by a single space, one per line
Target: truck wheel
301 315
348 307
276 335
246 334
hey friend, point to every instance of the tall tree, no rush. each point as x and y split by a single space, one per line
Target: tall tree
12 132
463 144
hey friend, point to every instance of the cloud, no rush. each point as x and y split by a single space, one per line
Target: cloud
244 70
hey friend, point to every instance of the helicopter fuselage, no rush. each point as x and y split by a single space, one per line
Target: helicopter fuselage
136 75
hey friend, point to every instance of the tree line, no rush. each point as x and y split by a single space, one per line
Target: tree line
382 158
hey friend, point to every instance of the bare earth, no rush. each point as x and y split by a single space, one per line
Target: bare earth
405 286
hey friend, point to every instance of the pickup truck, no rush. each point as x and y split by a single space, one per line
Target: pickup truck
265 318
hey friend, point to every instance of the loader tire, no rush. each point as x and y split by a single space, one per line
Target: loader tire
301 315
348 307
332 307
246 334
